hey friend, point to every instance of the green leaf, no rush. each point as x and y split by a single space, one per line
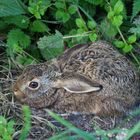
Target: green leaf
51 46
72 9
39 26
108 30
11 8
127 48
136 8
38 7
60 14
117 20
20 21
59 5
135 30
17 41
119 44
132 39
91 24
80 23
66 17
93 37
110 14
118 8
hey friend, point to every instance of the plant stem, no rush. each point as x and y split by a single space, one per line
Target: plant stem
78 35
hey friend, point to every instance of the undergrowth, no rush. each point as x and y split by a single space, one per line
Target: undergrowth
36 30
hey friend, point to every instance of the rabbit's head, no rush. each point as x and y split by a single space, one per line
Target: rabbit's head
38 84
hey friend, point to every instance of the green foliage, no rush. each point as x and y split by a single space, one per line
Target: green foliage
136 28
20 21
27 123
6 129
38 7
63 12
136 8
115 15
17 41
11 8
80 21
39 26
51 46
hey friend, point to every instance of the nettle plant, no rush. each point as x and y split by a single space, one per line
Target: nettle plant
40 29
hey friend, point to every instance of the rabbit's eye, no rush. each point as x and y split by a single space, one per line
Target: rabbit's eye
33 85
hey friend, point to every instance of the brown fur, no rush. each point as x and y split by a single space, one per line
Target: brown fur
64 84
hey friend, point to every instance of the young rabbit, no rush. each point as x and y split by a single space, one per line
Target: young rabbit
92 78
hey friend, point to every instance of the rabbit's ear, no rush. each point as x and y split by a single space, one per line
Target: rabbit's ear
76 83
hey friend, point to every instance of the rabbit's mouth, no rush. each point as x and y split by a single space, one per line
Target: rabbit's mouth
40 101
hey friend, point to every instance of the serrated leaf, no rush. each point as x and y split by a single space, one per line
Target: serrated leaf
135 30
136 8
118 7
132 39
51 46
11 8
39 26
38 7
127 48
17 40
72 9
20 20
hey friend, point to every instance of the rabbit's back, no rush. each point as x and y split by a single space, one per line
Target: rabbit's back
102 62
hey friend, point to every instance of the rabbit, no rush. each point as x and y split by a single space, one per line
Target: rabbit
91 78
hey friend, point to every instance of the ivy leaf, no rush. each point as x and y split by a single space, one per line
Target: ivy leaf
11 8
118 7
39 26
127 48
51 46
